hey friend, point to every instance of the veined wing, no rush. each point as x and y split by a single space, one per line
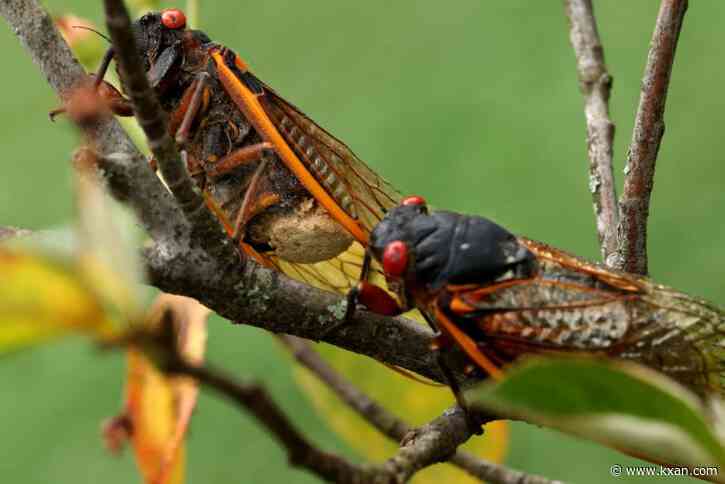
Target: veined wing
338 274
575 306
359 191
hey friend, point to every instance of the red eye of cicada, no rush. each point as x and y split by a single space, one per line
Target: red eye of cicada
413 200
395 258
173 18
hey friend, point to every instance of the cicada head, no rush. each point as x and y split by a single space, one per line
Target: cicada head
163 41
392 242
156 32
396 226
165 44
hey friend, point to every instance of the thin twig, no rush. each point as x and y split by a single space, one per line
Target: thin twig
648 131
434 442
595 84
387 423
497 473
453 424
423 447
12 232
255 399
161 344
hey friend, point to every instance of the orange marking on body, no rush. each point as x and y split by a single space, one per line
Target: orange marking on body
248 103
206 98
467 344
459 306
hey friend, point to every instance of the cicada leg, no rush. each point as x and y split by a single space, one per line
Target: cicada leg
447 331
439 343
254 202
465 342
369 295
88 101
195 97
374 298
237 158
353 296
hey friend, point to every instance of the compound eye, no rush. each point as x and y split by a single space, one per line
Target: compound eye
395 258
413 200
173 18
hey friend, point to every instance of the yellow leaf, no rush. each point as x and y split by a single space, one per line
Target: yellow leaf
43 297
159 407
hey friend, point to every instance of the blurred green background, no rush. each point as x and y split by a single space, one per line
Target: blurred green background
473 104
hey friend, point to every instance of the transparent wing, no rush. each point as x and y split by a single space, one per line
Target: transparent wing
574 306
338 274
361 192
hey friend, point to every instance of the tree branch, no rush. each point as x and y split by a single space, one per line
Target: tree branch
595 84
648 131
420 448
256 400
267 299
497 473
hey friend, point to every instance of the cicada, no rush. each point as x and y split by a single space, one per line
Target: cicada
500 297
295 197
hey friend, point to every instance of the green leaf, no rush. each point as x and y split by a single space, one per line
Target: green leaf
625 406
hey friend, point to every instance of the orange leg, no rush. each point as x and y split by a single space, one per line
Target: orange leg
450 332
188 110
237 158
450 329
87 101
253 202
